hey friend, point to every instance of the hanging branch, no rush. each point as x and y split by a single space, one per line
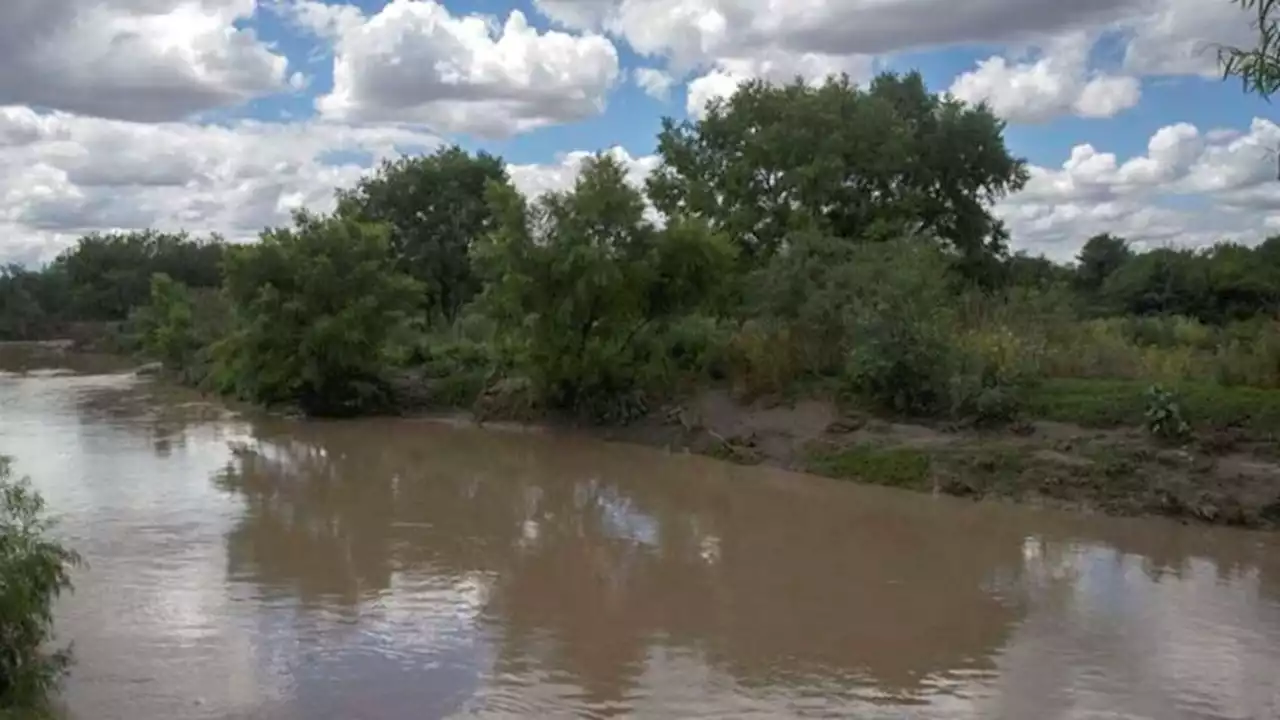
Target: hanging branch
1258 68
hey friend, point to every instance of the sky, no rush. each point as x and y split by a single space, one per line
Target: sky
224 115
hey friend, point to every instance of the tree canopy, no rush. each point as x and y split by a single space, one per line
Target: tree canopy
842 160
434 206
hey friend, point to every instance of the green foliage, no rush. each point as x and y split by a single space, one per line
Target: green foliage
180 325
34 571
435 208
1163 415
997 369
903 357
580 276
109 275
102 279
896 467
1105 403
23 314
318 309
1099 259
806 288
1257 68
840 160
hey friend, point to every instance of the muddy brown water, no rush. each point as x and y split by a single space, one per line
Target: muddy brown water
244 567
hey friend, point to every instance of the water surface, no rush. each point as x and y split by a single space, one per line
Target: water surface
387 569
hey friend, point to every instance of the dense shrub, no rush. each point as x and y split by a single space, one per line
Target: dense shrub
903 356
180 325
34 571
580 279
318 311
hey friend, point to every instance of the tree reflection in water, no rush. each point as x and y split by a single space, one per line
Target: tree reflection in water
594 556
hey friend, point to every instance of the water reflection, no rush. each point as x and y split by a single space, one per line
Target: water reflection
400 569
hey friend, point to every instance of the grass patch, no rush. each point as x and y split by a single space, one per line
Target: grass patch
1112 403
896 467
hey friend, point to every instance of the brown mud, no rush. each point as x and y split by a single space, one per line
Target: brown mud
1120 471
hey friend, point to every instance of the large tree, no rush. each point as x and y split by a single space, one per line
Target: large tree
435 206
842 160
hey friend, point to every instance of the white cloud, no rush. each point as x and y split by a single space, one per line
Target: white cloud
721 42
1189 189
134 59
777 67
62 175
1179 37
536 179
1056 83
414 61
655 83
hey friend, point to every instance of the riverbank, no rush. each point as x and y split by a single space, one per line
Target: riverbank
1220 479
1086 452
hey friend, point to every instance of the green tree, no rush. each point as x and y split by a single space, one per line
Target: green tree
1101 256
581 276
1163 281
317 309
179 325
1258 67
21 315
1035 271
34 571
844 161
435 207
109 275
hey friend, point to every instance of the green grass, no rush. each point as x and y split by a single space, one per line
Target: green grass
896 467
1207 406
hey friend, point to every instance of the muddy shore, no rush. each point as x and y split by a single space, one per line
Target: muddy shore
1120 471
1116 471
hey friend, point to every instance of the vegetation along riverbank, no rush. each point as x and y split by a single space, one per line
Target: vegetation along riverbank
827 289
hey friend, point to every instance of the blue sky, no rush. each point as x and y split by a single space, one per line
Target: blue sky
187 113
632 118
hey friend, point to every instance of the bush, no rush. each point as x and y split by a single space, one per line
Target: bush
179 325
319 310
581 281
996 371
34 571
903 355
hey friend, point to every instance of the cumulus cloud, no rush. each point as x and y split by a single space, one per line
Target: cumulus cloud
1056 83
134 59
722 42
62 175
1189 189
415 61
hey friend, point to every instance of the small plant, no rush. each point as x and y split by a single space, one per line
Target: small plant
1163 415
34 571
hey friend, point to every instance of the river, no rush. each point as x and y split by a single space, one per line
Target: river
248 567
